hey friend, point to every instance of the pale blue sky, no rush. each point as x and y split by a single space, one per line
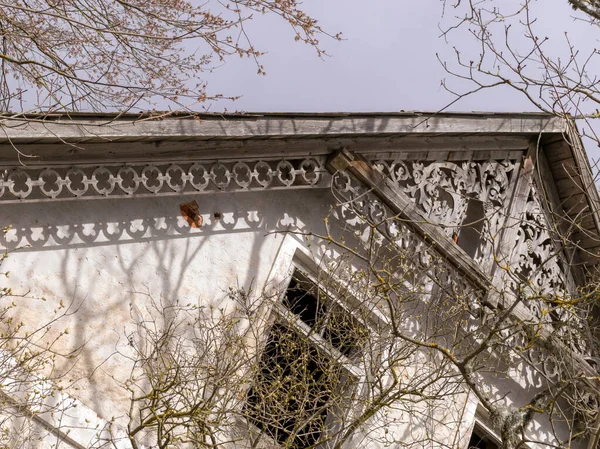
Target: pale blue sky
386 62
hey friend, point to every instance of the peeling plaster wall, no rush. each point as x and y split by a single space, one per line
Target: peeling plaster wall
99 256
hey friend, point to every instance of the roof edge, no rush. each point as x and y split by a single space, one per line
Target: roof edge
83 127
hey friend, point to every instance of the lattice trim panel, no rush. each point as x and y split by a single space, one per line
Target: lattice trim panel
442 190
445 191
19 184
415 258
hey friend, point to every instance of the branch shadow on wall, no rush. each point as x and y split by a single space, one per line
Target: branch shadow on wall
103 255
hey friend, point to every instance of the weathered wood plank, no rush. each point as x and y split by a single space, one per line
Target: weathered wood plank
585 220
588 203
585 240
558 152
574 204
590 257
432 148
554 138
549 185
553 141
508 235
569 186
582 165
549 194
563 169
102 129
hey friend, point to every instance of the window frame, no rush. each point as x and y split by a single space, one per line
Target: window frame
481 421
351 367
485 434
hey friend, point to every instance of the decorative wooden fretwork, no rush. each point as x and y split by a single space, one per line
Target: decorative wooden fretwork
155 179
540 272
457 196
537 260
417 260
548 336
442 190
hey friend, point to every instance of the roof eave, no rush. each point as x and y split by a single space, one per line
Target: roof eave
275 126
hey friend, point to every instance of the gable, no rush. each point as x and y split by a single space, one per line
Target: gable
449 165
461 200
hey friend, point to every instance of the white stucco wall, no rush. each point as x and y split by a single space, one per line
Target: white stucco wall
97 257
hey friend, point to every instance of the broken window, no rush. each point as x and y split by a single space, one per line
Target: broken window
481 439
303 379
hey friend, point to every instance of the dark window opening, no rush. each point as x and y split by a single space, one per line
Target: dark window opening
291 396
301 303
343 333
471 229
480 439
325 317
299 388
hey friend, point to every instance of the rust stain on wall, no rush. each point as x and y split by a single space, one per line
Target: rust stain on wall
191 213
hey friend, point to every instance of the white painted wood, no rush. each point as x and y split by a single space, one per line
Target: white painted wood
404 207
508 235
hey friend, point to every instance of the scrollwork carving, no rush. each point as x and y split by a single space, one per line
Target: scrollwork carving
118 180
414 258
447 193
442 190
536 258
541 276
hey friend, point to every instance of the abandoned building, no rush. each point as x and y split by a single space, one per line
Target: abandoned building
298 280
